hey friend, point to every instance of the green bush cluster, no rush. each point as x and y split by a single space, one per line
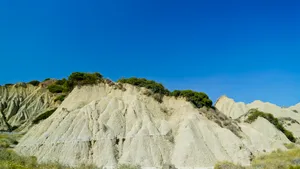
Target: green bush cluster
227 165
149 84
34 82
6 140
128 166
54 88
8 84
254 114
43 116
76 78
60 98
79 78
11 160
199 99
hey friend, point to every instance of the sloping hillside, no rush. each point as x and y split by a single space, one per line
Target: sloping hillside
106 125
20 104
289 117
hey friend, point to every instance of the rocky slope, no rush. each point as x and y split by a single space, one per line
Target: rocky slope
106 126
289 116
20 104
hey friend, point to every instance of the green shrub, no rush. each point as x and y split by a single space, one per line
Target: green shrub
43 116
34 82
149 84
47 79
61 82
227 165
254 114
7 140
60 98
128 166
54 88
290 145
79 78
8 84
199 99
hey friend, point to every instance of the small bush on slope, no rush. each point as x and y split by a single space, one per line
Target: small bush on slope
6 140
56 88
199 99
76 78
227 165
79 78
34 82
43 116
127 166
8 85
254 114
60 98
149 84
290 145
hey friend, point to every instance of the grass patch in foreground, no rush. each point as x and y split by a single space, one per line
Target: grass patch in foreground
227 165
10 160
276 160
7 139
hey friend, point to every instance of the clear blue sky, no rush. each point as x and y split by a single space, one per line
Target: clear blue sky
245 49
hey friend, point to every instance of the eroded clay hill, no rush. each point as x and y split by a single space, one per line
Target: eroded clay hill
289 116
105 125
20 104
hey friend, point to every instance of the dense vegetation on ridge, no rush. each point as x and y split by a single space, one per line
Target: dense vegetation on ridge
198 99
64 86
34 82
254 114
75 79
149 84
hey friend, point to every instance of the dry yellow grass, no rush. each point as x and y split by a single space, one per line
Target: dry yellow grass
276 160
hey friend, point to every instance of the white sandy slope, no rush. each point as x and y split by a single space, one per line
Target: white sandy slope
237 109
105 126
20 104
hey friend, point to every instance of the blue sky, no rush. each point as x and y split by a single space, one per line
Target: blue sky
247 50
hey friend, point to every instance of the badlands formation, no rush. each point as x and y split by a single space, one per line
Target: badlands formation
289 116
20 104
106 126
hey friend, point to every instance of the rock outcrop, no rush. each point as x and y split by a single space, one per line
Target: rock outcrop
20 104
106 126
